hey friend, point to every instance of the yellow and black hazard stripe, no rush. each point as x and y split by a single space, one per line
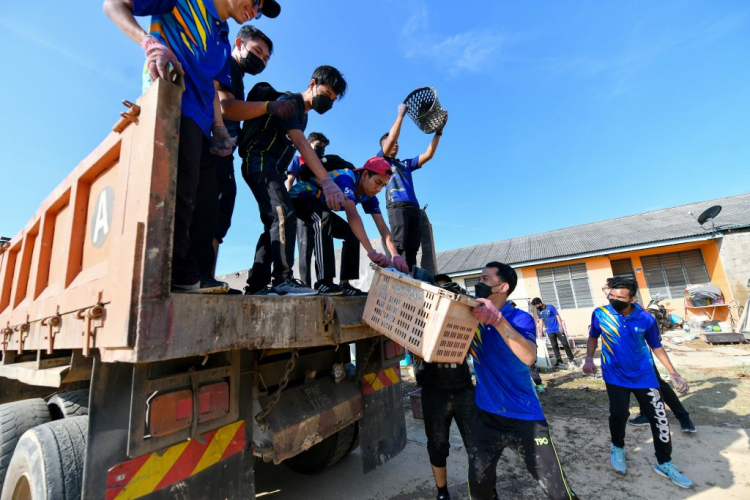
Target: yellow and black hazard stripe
143 475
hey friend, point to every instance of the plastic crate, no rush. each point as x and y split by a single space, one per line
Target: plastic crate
432 323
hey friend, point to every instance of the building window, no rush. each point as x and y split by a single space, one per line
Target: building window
566 287
469 284
668 274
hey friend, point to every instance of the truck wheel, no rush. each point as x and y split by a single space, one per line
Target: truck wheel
48 462
69 404
355 439
15 419
325 454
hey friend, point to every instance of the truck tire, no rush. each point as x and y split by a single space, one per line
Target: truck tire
69 404
325 454
15 419
48 462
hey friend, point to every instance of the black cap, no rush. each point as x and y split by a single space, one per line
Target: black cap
271 8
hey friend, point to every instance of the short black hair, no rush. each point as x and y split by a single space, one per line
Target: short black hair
318 136
443 277
506 273
536 301
383 138
622 282
250 32
328 75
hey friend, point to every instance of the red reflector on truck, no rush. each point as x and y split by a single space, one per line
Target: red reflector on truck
173 411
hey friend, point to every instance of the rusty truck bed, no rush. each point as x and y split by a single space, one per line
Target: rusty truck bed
91 269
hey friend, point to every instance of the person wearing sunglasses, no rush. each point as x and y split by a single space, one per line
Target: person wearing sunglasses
190 37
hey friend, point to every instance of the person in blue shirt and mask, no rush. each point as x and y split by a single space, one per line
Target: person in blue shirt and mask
627 332
550 319
508 410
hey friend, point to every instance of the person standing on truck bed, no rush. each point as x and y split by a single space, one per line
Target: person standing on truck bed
267 146
447 395
305 234
508 410
193 37
250 55
404 214
359 186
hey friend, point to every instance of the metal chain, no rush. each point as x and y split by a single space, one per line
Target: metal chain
282 385
373 345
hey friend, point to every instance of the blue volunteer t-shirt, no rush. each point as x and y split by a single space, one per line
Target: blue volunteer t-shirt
200 40
401 185
626 360
294 166
549 317
504 385
345 179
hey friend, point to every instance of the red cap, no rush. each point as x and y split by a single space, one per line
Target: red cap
377 165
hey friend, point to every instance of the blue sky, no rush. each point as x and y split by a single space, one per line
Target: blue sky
561 113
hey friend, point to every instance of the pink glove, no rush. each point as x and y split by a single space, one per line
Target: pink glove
158 56
333 194
400 264
221 142
487 313
679 382
283 109
589 366
378 258
402 109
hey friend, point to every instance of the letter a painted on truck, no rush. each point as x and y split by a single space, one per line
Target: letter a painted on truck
102 216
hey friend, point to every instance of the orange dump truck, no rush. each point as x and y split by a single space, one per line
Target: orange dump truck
113 387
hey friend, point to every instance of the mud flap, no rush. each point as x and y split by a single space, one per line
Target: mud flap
382 429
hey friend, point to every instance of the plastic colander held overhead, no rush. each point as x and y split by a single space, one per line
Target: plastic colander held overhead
425 109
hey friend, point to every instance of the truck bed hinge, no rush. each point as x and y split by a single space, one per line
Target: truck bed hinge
89 315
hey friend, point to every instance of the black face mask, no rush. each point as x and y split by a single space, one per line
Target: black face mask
482 291
540 308
618 305
251 64
320 151
322 103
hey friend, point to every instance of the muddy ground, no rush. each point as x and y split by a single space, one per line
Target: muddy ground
717 457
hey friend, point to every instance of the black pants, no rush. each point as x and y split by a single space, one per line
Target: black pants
553 338
535 374
440 406
406 226
276 244
327 226
305 245
227 186
196 192
653 408
671 399
531 439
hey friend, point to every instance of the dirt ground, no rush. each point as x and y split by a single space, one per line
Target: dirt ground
716 458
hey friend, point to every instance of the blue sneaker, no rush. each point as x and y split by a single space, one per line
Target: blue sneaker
670 471
617 458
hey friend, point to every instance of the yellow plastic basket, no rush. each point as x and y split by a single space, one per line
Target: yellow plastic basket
432 323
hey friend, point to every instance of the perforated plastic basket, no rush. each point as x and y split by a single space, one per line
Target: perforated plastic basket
424 108
432 323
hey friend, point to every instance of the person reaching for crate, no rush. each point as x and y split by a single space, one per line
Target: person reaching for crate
359 186
508 410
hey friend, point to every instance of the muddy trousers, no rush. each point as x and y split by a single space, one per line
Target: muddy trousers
531 439
276 244
406 226
440 407
654 410
305 245
671 399
553 338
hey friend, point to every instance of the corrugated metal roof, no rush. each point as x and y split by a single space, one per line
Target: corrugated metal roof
639 229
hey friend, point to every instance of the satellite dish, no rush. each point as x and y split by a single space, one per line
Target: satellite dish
709 214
